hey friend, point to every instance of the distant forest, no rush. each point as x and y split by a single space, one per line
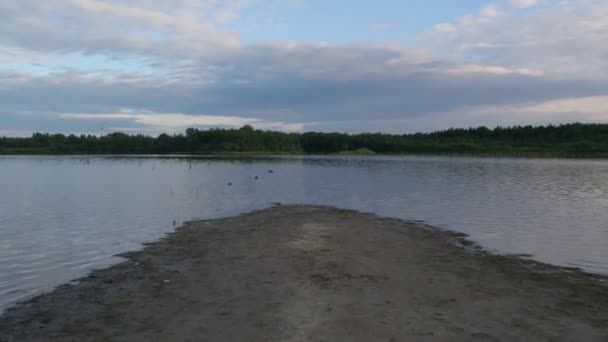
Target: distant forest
564 140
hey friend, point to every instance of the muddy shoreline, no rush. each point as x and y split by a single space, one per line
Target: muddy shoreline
306 273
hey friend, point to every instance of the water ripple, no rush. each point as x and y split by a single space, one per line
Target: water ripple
60 218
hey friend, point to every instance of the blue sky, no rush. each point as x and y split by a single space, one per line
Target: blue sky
348 21
93 66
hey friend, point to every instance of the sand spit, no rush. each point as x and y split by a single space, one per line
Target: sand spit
304 273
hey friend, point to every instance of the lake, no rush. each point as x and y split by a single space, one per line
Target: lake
61 216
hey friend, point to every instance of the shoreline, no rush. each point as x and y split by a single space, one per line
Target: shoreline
310 273
512 155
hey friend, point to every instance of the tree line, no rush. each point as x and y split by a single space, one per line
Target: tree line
575 139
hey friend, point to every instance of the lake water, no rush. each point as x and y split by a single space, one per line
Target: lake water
61 216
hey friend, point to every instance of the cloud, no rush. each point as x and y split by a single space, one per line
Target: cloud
523 3
575 109
592 108
444 28
114 27
470 69
375 83
171 121
584 109
70 65
151 19
562 39
489 11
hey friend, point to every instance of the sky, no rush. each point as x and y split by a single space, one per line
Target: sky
395 66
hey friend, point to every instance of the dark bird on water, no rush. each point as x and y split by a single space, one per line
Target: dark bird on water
256 177
270 171
229 184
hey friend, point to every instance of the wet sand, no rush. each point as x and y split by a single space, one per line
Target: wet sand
303 273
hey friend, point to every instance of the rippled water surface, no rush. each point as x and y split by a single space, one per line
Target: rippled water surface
63 216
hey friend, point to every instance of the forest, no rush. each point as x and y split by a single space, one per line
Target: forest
574 139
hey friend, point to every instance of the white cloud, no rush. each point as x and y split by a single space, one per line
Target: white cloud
564 39
523 3
225 16
172 121
489 11
564 110
471 69
444 27
592 108
117 28
158 21
542 113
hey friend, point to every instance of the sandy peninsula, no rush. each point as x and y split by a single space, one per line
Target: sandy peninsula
304 273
